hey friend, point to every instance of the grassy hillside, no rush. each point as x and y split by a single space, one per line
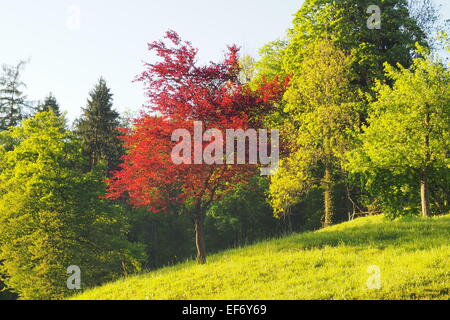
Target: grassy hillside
413 255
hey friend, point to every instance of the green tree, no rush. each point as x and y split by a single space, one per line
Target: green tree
248 70
50 103
409 126
51 214
271 62
98 126
242 217
323 116
344 22
13 102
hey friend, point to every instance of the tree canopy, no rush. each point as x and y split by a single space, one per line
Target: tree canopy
51 216
408 126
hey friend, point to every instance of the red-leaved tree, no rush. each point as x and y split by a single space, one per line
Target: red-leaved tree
180 93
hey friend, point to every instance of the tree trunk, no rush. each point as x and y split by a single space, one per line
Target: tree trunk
200 241
424 196
327 197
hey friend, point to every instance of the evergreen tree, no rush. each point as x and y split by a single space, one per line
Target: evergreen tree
13 102
50 103
98 126
52 217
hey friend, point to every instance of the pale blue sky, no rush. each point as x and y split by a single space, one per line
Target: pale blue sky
112 36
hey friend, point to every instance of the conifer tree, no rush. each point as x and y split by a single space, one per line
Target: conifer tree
98 126
13 102
50 103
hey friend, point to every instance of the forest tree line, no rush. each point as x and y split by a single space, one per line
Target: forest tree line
364 125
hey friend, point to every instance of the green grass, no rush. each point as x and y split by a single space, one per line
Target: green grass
413 255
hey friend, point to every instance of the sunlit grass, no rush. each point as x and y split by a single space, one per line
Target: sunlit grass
413 256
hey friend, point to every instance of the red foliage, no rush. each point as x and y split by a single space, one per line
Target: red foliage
180 92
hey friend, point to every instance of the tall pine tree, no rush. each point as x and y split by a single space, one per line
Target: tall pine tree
98 126
13 102
50 103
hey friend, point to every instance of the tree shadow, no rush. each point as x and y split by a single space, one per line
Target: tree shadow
413 234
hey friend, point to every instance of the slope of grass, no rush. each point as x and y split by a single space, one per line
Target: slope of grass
412 254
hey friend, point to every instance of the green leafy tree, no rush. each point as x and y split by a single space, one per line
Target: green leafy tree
52 217
269 66
242 217
323 116
13 102
248 70
98 126
271 63
409 126
344 22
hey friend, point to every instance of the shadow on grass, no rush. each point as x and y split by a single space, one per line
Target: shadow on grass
408 233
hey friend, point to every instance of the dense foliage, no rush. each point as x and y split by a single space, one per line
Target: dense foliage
408 135
322 114
363 115
49 103
98 128
184 94
51 216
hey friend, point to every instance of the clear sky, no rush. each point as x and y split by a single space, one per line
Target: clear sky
111 38
68 55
